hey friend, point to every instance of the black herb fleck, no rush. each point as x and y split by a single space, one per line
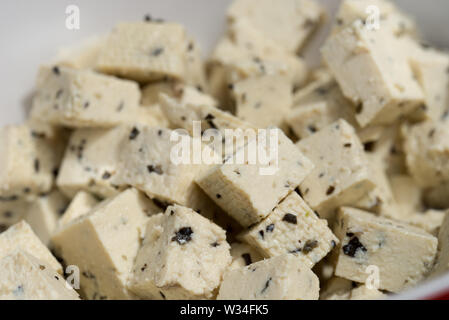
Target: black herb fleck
157 52
267 284
134 133
215 244
312 128
309 246
353 246
162 295
183 236
155 169
270 228
330 190
37 165
262 234
120 106
369 146
59 93
290 218
247 258
347 145
210 120
38 135
106 175
218 196
56 70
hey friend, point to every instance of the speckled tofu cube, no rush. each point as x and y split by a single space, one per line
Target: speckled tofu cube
104 243
12 210
263 101
373 72
243 255
234 185
182 257
91 161
82 55
195 70
29 160
409 206
21 236
83 98
149 163
145 51
43 215
380 200
343 289
430 67
245 53
292 228
290 25
403 254
24 277
197 113
341 175
426 148
281 278
320 104
389 15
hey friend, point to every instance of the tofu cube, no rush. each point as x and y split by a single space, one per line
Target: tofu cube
149 162
341 175
380 200
320 104
289 25
391 18
426 148
83 98
104 243
82 55
431 69
245 53
249 190
12 210
183 256
145 51
80 205
373 72
281 278
43 215
28 162
263 101
21 236
292 228
403 254
442 261
24 277
243 255
91 161
195 69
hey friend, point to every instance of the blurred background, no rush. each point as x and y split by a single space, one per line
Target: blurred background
32 31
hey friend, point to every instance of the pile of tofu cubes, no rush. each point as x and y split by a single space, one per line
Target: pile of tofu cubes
357 208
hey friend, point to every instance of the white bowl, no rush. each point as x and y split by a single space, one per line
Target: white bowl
32 31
